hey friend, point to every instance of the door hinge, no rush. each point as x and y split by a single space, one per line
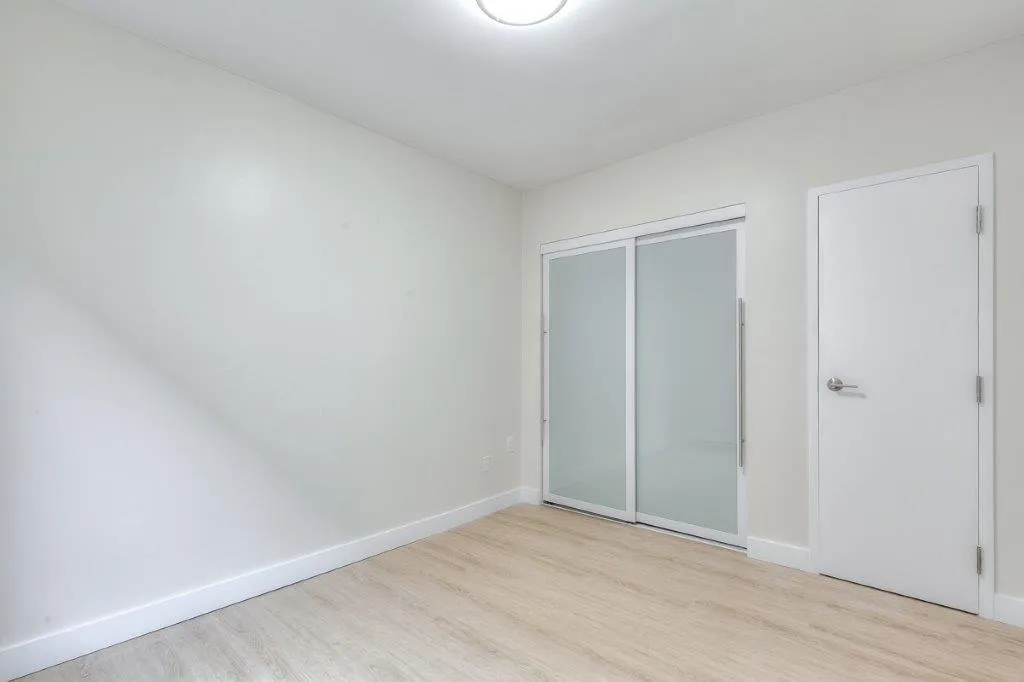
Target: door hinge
979 219
979 560
979 389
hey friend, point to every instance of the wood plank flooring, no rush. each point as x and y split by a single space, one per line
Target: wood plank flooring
535 593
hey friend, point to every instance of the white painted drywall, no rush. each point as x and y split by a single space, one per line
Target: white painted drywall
233 329
965 105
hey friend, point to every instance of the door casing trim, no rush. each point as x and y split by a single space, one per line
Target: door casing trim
986 356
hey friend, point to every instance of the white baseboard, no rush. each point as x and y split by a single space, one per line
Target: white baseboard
1009 610
1006 609
780 553
530 495
43 652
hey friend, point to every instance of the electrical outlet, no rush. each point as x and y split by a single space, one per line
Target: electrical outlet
510 444
487 463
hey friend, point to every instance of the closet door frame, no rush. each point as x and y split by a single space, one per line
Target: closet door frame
739 538
629 513
680 227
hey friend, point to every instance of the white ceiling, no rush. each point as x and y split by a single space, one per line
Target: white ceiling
602 81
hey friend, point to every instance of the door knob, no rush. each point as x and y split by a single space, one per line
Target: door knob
835 385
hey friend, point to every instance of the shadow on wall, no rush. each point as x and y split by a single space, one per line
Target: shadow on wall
116 487
239 330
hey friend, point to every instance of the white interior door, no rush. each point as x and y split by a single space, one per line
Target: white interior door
898 448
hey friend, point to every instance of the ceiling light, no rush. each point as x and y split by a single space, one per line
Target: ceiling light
521 12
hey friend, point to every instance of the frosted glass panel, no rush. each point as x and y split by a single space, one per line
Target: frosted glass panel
587 377
686 381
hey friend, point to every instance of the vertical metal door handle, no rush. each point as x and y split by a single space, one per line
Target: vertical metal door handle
741 383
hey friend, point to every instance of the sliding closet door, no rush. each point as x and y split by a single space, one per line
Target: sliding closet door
688 478
588 451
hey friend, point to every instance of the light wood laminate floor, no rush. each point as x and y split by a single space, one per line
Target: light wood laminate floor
544 594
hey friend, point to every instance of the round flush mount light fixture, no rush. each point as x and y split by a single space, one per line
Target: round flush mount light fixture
521 12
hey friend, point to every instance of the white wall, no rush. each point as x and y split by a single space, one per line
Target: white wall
233 329
966 105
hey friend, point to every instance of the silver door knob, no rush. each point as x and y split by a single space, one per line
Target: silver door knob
835 385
